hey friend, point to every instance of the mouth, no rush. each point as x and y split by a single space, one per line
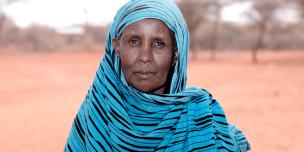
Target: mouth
144 74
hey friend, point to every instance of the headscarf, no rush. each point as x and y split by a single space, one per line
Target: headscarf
117 117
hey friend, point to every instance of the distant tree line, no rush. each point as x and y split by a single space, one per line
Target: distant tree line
43 38
268 28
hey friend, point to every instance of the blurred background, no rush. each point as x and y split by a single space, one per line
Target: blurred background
248 53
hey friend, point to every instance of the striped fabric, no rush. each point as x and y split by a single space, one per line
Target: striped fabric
116 117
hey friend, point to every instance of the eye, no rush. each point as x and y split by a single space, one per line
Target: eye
133 42
158 44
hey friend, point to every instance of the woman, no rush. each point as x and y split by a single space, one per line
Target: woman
138 100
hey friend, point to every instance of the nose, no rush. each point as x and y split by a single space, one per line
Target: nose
145 54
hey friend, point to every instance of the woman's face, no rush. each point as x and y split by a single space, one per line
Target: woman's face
146 53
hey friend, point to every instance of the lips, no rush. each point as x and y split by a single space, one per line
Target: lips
144 74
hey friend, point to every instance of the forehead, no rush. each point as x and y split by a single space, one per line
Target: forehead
149 24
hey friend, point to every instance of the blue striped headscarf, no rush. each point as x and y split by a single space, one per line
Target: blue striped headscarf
117 117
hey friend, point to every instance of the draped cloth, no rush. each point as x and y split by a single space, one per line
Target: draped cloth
116 117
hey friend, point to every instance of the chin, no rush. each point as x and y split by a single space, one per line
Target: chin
144 89
148 86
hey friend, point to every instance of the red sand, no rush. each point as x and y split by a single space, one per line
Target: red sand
41 93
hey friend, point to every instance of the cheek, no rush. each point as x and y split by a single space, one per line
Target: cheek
164 64
127 61
126 57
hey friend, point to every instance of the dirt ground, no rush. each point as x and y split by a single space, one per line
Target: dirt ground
40 94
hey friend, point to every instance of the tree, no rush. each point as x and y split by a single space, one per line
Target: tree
42 38
263 16
194 12
3 4
301 8
215 12
197 11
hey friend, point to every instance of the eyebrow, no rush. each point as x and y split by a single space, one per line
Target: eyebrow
136 35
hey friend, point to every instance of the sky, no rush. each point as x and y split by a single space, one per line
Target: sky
64 13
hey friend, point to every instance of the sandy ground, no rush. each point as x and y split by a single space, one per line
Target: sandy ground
41 93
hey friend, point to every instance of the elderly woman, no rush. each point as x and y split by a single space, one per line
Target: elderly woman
138 100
